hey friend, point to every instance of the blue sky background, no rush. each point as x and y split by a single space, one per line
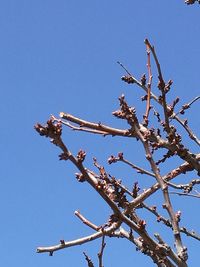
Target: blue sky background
61 56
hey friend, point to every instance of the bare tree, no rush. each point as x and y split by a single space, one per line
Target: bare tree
125 202
124 221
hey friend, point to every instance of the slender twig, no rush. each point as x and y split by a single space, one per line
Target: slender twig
127 71
190 233
89 261
100 254
187 187
160 77
153 210
86 221
161 85
148 86
120 158
188 130
185 194
139 169
186 106
142 86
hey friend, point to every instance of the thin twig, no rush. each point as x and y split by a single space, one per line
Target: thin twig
89 261
185 194
148 86
187 187
139 169
190 233
186 106
153 210
161 85
144 87
120 158
125 68
86 221
188 130
100 254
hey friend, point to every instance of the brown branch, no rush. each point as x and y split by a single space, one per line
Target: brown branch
113 131
83 129
190 233
186 106
113 192
87 222
164 188
168 223
64 244
129 114
160 77
124 189
89 261
99 127
186 187
134 80
100 254
188 130
182 169
152 245
161 85
164 244
120 158
79 241
139 169
131 80
182 152
54 132
167 204
148 86
139 244
160 218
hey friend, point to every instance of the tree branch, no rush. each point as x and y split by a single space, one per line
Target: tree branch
63 244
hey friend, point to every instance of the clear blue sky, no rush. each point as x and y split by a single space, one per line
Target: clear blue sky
61 56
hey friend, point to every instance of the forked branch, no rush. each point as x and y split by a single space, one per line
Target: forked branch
124 200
